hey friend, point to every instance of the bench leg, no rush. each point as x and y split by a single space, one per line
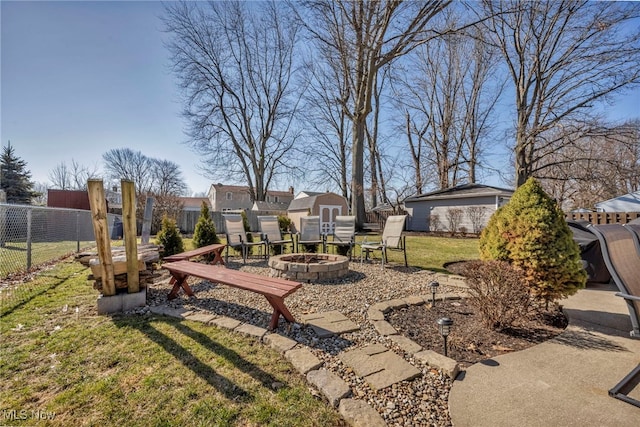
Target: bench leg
217 258
179 282
278 309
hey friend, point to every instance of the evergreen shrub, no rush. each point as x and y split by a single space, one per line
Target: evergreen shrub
205 231
530 232
169 237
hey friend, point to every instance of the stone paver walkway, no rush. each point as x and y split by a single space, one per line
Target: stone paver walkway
379 366
329 323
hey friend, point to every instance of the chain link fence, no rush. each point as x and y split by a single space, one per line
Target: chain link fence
32 235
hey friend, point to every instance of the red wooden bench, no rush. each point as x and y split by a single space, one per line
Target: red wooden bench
215 249
274 290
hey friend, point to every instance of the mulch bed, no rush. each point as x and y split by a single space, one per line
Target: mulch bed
470 341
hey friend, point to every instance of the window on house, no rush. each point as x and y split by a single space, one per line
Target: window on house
229 195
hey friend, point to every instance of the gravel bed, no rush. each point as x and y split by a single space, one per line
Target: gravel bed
420 402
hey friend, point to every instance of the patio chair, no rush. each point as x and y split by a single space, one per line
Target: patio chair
344 233
392 239
271 234
310 233
237 237
621 252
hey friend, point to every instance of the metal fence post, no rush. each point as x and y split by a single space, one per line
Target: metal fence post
29 238
77 231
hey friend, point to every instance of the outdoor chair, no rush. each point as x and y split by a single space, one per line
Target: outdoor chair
392 239
621 252
271 234
310 233
237 238
344 233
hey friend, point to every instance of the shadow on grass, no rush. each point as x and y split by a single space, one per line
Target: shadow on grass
14 248
9 304
200 367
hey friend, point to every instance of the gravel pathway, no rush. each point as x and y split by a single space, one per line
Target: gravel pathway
420 402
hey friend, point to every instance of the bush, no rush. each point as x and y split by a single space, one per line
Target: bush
246 225
530 232
284 222
169 237
205 231
499 293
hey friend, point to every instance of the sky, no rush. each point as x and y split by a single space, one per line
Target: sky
80 78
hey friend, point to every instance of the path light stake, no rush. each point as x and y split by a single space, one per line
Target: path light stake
444 326
434 288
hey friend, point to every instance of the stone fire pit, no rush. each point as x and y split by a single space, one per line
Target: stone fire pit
308 267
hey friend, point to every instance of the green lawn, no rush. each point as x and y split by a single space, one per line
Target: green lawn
130 370
423 251
59 357
14 254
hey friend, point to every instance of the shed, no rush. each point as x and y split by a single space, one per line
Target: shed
326 205
471 206
629 202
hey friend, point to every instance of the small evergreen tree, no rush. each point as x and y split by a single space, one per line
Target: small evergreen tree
15 179
205 232
246 225
169 237
530 232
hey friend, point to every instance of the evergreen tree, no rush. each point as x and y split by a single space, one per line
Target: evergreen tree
15 179
530 232
205 232
169 237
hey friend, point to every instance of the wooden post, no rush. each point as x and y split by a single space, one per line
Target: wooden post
130 235
98 205
146 221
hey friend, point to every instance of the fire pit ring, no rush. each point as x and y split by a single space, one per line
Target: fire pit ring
308 267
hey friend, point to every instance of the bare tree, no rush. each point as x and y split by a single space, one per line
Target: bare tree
235 63
167 178
327 126
60 176
448 98
364 36
592 162
124 163
72 177
562 57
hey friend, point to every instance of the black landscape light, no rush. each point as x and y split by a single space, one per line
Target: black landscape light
434 288
444 326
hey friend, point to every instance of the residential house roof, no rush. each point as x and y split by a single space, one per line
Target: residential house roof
270 206
240 188
305 202
629 202
194 203
462 191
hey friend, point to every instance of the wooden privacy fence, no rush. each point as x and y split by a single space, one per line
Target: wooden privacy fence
603 217
188 219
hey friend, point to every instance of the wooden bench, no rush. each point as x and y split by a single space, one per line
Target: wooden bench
274 290
215 249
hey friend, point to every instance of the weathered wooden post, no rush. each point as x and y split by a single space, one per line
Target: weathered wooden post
130 234
146 221
98 205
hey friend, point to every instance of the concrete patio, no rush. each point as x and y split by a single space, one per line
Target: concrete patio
562 382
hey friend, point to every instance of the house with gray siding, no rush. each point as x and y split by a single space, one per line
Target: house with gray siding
629 202
467 207
226 198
